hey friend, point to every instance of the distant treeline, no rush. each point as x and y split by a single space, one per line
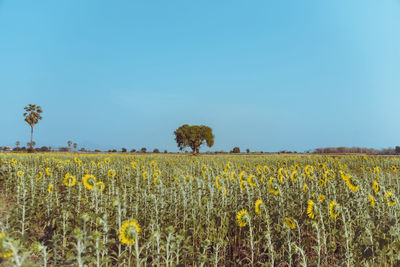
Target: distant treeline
359 150
235 150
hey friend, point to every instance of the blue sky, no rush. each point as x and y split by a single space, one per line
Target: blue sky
265 75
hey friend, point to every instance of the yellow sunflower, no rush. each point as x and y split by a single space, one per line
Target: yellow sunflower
250 180
371 200
48 171
243 183
156 173
242 216
290 223
217 181
375 186
334 209
107 160
129 232
305 188
394 169
100 186
50 189
330 174
153 164
294 176
69 180
20 173
390 198
133 164
111 173
39 176
272 186
309 170
310 209
257 205
352 184
233 174
89 181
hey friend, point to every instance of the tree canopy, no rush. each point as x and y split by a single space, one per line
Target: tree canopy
193 136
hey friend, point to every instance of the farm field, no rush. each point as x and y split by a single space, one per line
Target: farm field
167 210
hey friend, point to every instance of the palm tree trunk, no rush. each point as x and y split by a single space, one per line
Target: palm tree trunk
31 144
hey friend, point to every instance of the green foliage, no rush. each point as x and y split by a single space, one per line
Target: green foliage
193 137
236 150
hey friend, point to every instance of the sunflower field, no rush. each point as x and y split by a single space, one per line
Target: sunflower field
174 210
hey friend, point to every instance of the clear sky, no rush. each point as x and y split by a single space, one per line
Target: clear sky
265 75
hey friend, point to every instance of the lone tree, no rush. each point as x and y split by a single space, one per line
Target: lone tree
193 137
32 117
235 150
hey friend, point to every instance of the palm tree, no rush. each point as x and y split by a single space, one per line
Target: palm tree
69 145
32 117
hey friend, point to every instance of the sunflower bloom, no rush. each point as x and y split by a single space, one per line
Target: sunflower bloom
233 174
133 164
321 198
272 186
310 209
394 169
390 198
69 180
257 205
129 232
89 181
39 176
294 176
329 174
50 189
20 173
250 180
371 200
334 209
48 171
375 186
112 173
242 184
242 216
100 186
305 188
289 222
153 164
309 170
352 184
156 173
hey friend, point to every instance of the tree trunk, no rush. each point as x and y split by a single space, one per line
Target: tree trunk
31 144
